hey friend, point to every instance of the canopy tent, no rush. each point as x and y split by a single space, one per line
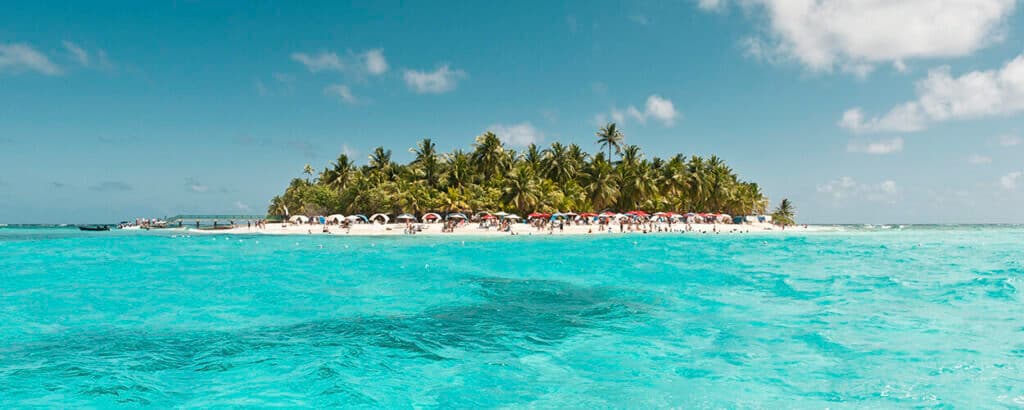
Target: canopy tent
357 217
431 217
405 217
557 215
336 218
380 217
488 217
641 214
500 214
481 214
319 219
512 216
298 219
536 215
456 215
587 215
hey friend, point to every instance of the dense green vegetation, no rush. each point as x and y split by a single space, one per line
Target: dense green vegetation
493 177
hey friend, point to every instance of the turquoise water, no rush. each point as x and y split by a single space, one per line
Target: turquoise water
923 316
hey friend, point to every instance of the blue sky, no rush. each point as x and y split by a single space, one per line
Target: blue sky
857 111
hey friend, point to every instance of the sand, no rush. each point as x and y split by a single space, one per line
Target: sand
474 229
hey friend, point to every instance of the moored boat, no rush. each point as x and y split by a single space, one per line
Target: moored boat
93 227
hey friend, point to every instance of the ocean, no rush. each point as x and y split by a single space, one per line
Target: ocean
854 317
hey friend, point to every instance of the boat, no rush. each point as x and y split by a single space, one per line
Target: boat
93 227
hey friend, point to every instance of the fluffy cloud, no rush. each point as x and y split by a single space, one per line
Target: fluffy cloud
849 188
521 134
241 206
342 91
854 36
978 159
370 62
943 97
22 57
323 61
658 108
375 62
442 80
881 147
711 5
903 118
1009 181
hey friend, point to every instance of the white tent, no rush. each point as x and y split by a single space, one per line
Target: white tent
500 214
512 216
405 217
431 217
381 217
298 219
336 218
356 218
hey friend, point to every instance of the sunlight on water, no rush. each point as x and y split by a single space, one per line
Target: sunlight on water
864 317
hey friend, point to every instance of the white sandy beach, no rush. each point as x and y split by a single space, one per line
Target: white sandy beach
474 229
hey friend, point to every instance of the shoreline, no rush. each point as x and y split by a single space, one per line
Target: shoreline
473 229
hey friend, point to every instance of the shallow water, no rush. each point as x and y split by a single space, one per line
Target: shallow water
921 316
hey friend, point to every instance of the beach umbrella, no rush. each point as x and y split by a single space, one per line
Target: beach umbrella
298 219
457 215
588 215
488 217
512 216
336 218
608 213
431 217
500 214
638 213
405 217
381 217
357 217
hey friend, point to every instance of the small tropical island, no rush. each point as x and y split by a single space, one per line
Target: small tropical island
551 187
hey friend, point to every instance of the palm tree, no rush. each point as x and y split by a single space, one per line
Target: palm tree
308 170
488 155
380 160
340 173
557 164
601 184
609 136
426 158
784 215
520 190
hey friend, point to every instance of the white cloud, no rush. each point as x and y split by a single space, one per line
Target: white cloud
658 108
880 147
521 134
900 66
825 34
77 52
324 61
16 58
848 188
942 97
978 159
442 80
375 62
240 206
711 5
1009 181
1009 140
342 91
